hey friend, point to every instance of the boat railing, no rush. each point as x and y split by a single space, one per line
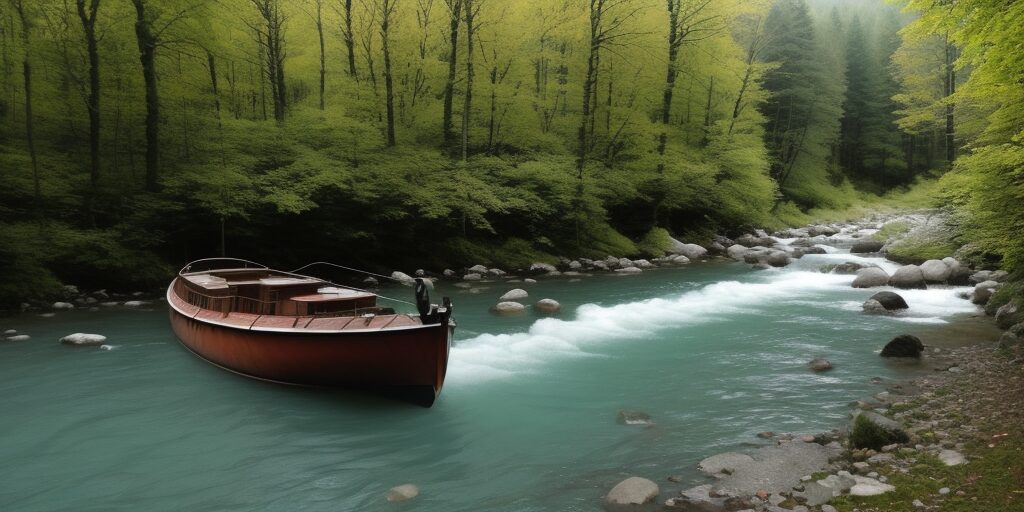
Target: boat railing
207 264
242 304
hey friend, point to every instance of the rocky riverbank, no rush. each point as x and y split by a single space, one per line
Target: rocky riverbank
930 443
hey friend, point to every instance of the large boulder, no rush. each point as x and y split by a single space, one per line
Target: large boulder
890 301
542 268
508 308
981 276
632 491
515 294
935 271
749 240
477 269
821 230
983 292
866 247
778 258
691 251
80 339
1013 336
401 277
800 252
870 277
628 270
904 345
872 430
547 307
1009 314
907 277
737 251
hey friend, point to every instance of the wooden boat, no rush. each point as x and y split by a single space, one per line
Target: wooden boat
296 329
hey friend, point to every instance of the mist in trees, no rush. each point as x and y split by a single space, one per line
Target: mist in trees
443 132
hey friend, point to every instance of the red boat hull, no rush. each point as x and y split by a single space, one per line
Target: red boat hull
409 361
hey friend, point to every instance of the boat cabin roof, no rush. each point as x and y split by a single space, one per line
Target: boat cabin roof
220 280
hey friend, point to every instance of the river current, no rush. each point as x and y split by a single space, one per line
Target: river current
713 352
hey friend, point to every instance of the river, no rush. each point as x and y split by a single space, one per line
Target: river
713 352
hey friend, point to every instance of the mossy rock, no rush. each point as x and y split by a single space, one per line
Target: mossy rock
872 430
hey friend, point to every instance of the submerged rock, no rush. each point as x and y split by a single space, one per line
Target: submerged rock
819 364
891 301
403 492
908 277
80 339
628 270
866 247
870 277
632 491
904 345
848 267
18 337
63 305
508 308
634 418
472 277
872 306
547 307
514 294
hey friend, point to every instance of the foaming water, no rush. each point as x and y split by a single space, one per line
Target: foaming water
713 352
504 355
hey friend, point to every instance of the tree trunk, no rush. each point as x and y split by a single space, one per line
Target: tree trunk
350 42
467 105
674 42
88 17
26 69
455 7
323 62
596 11
707 114
212 64
950 83
147 56
387 9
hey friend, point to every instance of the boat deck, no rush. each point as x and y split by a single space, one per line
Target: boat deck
335 321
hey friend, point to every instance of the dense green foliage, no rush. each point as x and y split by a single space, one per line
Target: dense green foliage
987 181
135 135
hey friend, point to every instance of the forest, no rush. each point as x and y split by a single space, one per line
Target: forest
136 135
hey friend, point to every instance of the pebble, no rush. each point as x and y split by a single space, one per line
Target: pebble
917 504
944 491
828 508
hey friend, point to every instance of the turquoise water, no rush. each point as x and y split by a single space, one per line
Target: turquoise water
714 352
